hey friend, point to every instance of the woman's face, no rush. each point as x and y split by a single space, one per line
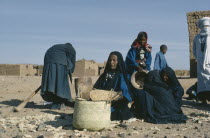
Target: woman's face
165 77
113 61
142 41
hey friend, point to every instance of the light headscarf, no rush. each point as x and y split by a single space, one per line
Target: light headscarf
204 25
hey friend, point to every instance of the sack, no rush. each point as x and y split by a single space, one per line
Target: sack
104 95
91 115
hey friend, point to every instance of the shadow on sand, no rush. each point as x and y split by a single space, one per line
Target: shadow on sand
194 105
16 102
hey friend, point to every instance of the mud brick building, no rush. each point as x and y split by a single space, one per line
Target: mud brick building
192 19
18 70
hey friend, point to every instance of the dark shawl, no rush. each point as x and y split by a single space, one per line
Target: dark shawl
121 77
63 54
174 85
157 102
120 110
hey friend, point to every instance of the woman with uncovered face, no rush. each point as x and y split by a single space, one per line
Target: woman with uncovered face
114 78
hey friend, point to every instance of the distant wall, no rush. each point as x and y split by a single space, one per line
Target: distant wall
27 70
86 68
83 68
79 69
192 19
91 68
10 70
19 70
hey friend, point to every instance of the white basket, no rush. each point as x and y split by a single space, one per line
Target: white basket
91 115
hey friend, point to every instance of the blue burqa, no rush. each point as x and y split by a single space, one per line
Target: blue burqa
59 64
156 103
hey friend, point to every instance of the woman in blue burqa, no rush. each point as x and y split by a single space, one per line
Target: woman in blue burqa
169 77
114 78
156 103
59 64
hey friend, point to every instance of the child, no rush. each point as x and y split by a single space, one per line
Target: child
139 56
114 78
160 61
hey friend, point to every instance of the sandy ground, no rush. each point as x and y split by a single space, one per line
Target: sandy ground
37 120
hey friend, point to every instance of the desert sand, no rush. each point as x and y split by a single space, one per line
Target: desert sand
37 120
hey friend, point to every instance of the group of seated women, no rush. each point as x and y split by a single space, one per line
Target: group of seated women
158 101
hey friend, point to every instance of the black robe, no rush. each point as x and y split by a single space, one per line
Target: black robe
156 103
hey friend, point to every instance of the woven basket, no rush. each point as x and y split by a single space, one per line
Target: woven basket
104 95
136 80
91 115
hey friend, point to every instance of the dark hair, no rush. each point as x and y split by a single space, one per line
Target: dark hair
163 47
120 65
140 35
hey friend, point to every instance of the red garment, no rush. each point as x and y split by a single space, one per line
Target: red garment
147 46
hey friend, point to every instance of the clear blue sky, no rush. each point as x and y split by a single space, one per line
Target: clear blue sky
94 27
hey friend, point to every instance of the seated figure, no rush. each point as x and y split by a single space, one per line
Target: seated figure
114 78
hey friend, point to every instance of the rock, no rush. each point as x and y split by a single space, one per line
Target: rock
59 135
122 135
205 136
98 133
131 120
142 128
199 122
195 127
110 129
168 127
33 122
77 134
41 136
84 136
3 136
85 130
155 132
19 136
76 131
27 136
134 133
123 125
73 136
2 131
111 135
41 127
155 128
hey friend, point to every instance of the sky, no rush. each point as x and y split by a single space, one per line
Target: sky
94 27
